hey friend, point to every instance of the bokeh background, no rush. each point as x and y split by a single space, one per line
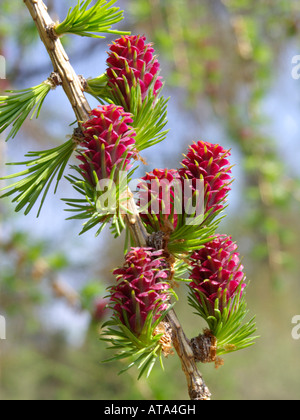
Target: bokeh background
227 65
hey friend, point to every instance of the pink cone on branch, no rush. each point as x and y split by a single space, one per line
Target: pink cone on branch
108 142
131 63
142 288
157 193
217 272
209 162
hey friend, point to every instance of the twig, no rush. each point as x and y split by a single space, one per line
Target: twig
196 385
60 61
73 88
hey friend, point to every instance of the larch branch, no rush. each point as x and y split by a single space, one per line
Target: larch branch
72 86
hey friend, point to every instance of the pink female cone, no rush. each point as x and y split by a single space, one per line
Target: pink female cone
217 273
108 141
131 63
157 197
141 289
209 162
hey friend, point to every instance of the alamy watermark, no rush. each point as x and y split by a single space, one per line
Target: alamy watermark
296 329
2 328
296 67
153 197
2 67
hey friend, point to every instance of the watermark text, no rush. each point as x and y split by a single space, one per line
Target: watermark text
296 329
2 67
2 328
296 67
158 196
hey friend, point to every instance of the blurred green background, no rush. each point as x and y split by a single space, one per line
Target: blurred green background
228 68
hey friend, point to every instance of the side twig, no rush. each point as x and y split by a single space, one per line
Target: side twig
72 86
